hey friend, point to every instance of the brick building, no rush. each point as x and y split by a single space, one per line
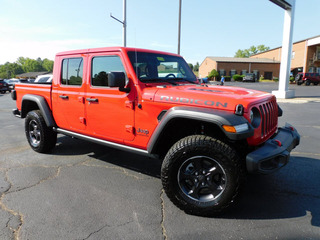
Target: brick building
305 58
305 55
228 66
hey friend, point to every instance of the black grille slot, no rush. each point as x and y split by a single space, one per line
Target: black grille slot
269 118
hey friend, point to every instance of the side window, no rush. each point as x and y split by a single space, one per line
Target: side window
100 68
72 71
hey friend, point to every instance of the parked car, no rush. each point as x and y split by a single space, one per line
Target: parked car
249 77
307 78
3 86
44 79
11 83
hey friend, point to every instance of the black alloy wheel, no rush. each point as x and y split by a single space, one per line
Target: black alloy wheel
41 138
202 175
202 178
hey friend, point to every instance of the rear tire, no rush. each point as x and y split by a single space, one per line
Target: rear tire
202 175
40 137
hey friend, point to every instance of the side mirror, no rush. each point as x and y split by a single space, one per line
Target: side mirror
118 79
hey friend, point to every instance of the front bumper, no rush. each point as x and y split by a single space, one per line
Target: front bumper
275 152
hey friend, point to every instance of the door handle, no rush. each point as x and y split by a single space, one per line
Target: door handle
64 97
92 99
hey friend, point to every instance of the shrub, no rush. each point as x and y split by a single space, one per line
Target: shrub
291 79
237 77
227 78
276 79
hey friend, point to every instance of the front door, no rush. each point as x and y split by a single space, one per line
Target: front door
110 112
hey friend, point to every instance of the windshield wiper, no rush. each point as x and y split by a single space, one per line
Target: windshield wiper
159 80
187 80
168 81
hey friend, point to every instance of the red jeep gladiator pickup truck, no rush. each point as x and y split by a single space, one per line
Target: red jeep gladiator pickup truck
150 102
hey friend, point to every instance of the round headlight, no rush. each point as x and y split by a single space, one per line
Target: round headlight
255 117
251 116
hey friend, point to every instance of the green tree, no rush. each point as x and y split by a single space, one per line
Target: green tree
32 65
245 53
262 48
21 61
10 70
190 65
196 67
23 65
47 65
213 74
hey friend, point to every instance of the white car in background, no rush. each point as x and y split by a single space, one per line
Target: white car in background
44 79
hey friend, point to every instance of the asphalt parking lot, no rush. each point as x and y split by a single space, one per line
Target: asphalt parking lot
87 191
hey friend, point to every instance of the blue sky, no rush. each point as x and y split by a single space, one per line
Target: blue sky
37 28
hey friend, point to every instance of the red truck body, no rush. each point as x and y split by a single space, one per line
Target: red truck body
120 123
148 102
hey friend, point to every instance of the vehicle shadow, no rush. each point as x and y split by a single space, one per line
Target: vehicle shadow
67 146
70 146
289 193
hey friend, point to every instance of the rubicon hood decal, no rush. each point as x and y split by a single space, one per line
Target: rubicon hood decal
194 101
205 96
205 90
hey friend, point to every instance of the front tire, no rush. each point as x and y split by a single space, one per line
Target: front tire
40 137
202 175
308 82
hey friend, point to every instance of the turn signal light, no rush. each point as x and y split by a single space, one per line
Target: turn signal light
237 128
230 129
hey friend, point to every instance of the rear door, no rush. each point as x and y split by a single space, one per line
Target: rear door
68 94
110 112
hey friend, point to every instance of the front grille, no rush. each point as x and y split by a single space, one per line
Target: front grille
269 118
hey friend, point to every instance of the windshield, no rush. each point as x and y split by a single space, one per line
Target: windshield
152 67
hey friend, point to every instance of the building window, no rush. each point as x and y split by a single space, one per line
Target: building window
243 72
222 72
292 55
268 75
233 72
72 70
311 69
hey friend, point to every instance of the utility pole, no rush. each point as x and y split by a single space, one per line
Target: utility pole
124 22
179 27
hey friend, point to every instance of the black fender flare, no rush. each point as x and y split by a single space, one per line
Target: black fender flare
213 116
43 107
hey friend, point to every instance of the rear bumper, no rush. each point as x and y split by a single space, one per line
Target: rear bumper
275 153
